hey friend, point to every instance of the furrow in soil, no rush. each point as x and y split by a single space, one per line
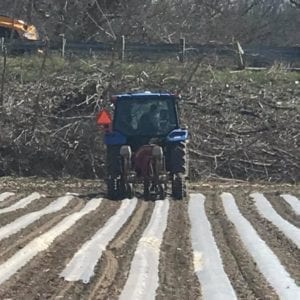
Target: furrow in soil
111 271
111 264
19 240
208 264
267 211
39 279
38 204
294 203
283 208
240 267
177 279
285 250
267 262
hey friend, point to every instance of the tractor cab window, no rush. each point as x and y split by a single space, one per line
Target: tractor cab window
145 117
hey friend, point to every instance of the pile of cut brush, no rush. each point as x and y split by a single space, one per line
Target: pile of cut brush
246 132
243 125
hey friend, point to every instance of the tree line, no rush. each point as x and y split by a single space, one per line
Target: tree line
252 22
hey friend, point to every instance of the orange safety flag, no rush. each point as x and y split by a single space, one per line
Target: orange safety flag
104 118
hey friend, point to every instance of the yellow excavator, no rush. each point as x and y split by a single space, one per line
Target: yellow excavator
17 29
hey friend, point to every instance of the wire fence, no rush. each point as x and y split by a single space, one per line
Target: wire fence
260 56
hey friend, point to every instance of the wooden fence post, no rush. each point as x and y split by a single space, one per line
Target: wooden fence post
63 46
2 44
241 63
3 76
122 47
182 50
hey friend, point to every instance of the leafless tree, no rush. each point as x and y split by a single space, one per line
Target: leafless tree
273 22
296 3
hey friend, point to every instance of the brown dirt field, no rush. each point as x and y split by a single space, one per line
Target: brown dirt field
39 278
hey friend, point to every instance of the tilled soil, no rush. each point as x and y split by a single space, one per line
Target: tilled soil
177 277
177 273
238 264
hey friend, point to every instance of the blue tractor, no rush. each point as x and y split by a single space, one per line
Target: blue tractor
145 145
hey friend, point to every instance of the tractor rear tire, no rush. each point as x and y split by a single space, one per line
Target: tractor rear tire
113 161
117 190
146 190
178 187
163 192
130 192
178 159
114 189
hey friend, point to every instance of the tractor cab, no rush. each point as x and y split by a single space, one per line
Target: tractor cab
144 144
151 116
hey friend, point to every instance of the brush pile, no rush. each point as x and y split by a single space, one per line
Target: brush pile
243 125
